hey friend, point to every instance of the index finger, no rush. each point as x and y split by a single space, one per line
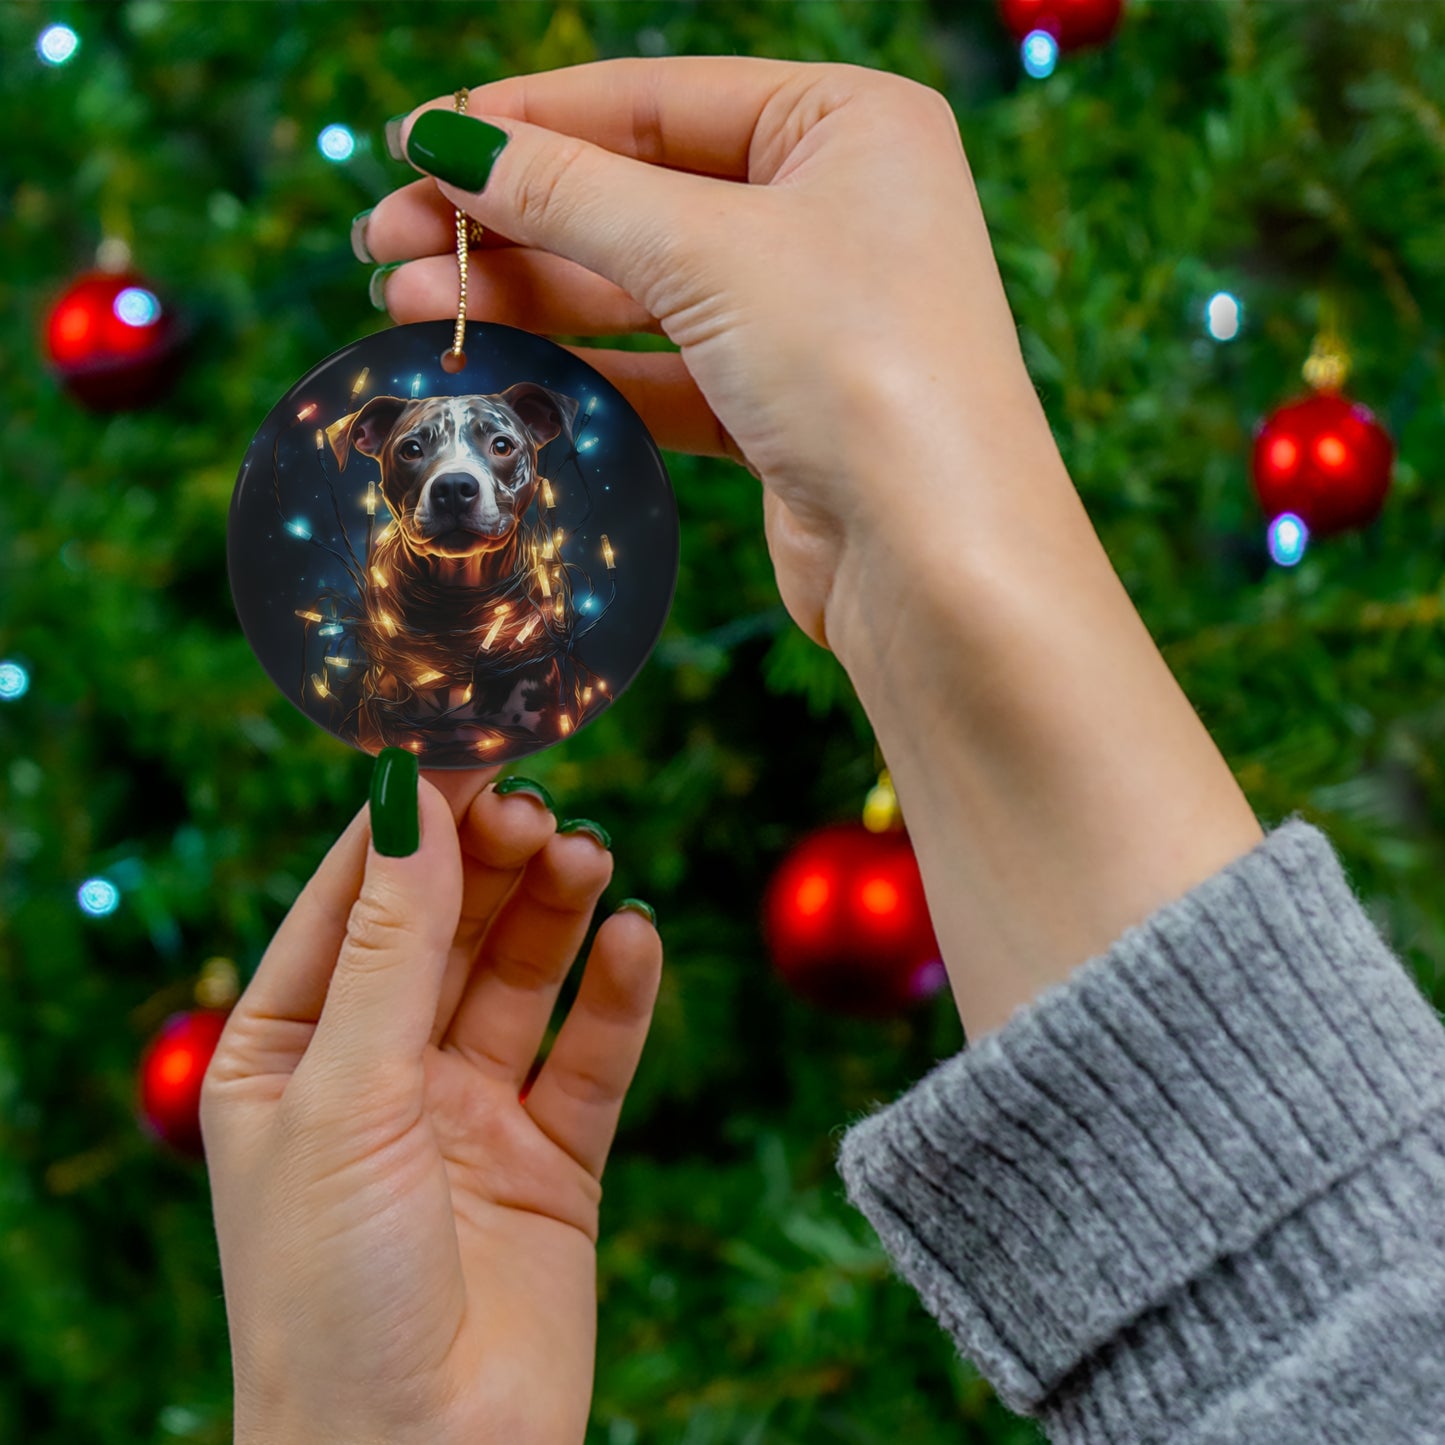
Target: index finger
695 113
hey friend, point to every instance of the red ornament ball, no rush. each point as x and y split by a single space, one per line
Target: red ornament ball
1073 23
171 1071
1324 458
847 924
112 341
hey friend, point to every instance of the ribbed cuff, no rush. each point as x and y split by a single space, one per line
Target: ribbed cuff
1141 1183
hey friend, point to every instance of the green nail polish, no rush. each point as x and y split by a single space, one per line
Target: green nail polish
376 287
455 148
359 247
395 820
392 132
586 825
636 905
526 785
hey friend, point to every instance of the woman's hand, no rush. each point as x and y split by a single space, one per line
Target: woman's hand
841 322
810 237
407 1245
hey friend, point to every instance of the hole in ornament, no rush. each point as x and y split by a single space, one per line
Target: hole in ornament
453 361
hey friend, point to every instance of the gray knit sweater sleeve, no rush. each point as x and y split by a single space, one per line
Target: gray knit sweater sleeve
1196 1192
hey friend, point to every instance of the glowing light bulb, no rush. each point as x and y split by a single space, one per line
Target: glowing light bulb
307 410
1040 54
299 527
529 626
360 383
543 579
1288 537
1223 316
371 499
57 44
310 616
388 623
591 405
548 500
336 143
341 662
379 577
607 557
14 681
558 538
557 608
498 619
319 683
428 676
135 306
566 724
98 897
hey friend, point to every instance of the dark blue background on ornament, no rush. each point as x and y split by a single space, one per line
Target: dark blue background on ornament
274 573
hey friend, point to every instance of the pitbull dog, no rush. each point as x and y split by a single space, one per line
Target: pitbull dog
458 474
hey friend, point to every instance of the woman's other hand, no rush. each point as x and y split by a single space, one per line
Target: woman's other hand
407 1245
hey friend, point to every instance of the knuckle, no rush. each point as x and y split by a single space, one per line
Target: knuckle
542 188
374 934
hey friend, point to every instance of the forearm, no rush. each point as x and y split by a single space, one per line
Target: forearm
1056 782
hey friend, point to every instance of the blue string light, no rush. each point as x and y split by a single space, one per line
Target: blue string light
1288 537
14 681
136 306
57 44
98 897
1040 53
336 143
299 527
1223 316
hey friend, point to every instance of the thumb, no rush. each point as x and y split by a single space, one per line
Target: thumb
634 224
382 999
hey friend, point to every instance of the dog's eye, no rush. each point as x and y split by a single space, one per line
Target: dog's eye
503 446
410 450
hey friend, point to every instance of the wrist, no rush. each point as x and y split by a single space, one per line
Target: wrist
1057 784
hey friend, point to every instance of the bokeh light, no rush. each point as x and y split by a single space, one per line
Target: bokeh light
57 44
1288 537
14 681
1223 316
336 143
98 897
137 307
1040 53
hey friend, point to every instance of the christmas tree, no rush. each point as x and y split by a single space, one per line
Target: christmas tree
1179 214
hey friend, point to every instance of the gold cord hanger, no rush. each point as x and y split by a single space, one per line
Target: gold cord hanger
469 233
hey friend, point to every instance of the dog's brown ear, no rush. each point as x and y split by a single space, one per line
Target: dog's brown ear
544 413
366 430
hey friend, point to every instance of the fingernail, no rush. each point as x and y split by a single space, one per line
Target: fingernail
359 248
526 785
636 905
586 825
393 136
395 824
376 287
455 148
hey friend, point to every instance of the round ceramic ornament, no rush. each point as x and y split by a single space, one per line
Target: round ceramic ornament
461 541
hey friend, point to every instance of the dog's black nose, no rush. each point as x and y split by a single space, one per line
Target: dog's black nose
454 490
